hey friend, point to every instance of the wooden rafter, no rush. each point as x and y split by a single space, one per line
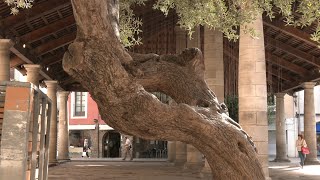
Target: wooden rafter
280 62
286 64
37 10
54 44
297 85
284 76
16 61
293 51
48 61
47 30
289 30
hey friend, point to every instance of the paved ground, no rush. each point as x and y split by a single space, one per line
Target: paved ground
146 169
293 171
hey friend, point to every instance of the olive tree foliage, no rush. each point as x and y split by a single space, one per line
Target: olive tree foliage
223 15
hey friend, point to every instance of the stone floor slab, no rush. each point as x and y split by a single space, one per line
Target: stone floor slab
154 169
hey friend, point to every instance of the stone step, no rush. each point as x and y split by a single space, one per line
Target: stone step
1 104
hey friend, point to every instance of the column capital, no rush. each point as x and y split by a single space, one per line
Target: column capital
32 67
308 85
280 95
6 44
63 93
51 84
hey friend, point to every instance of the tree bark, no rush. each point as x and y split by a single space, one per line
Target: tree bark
119 82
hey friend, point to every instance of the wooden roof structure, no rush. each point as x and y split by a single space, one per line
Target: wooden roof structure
42 35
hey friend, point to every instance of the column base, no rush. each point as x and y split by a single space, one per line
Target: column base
179 163
281 160
192 166
311 162
53 163
206 173
63 160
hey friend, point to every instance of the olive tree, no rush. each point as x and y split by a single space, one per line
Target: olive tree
120 81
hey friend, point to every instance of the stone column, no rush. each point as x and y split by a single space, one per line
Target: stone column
33 73
52 94
181 153
253 90
5 45
281 145
171 151
213 60
181 148
63 134
214 74
310 122
194 157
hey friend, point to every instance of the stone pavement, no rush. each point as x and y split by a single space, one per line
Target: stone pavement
155 169
293 171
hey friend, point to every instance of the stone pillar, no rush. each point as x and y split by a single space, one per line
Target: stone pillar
5 45
63 134
310 122
213 60
181 148
214 74
281 145
52 94
253 90
171 151
194 157
33 73
181 153
181 39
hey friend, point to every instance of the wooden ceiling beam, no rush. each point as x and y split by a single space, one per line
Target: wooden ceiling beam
283 76
47 30
16 61
277 84
291 31
280 62
286 64
52 60
293 51
298 85
54 44
36 10
24 55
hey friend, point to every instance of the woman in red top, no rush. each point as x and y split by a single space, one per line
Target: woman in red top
299 144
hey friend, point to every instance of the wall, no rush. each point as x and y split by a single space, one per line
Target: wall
91 114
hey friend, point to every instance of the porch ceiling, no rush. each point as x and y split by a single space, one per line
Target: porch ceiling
49 27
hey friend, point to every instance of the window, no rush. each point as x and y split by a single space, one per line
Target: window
80 103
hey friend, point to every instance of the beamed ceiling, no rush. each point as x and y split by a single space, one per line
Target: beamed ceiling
49 27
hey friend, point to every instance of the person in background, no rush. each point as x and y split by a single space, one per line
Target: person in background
299 144
127 148
86 148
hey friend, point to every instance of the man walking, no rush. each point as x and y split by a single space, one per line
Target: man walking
127 149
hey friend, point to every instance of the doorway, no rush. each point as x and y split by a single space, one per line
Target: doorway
111 144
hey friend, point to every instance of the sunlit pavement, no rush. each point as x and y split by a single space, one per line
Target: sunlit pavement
155 169
119 170
293 171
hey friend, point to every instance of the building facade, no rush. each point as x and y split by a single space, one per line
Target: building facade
86 125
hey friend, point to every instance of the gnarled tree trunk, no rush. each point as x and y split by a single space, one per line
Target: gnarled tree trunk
119 81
